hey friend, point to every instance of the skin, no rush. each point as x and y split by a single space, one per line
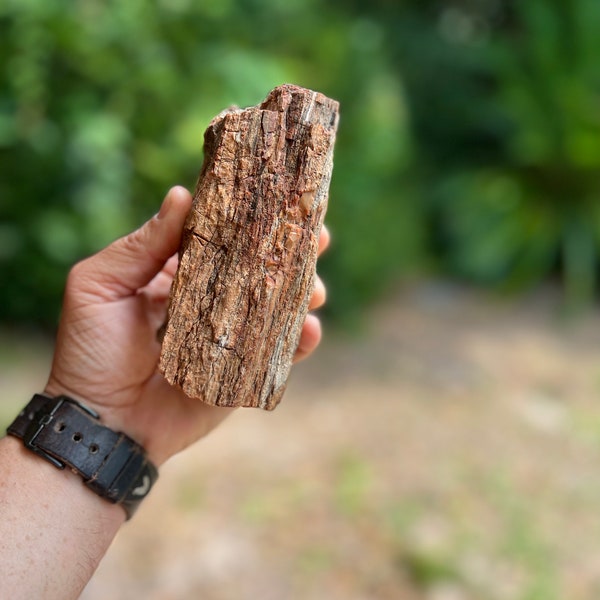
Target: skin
53 530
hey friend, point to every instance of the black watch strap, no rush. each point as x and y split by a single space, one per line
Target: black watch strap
68 434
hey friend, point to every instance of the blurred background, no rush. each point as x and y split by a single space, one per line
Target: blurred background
445 444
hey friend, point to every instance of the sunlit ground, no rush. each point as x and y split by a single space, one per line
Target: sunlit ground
452 452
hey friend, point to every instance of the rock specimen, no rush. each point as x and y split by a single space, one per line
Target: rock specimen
249 249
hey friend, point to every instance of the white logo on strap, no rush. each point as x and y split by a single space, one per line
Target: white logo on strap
143 489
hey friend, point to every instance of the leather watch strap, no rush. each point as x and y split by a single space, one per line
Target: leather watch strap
68 434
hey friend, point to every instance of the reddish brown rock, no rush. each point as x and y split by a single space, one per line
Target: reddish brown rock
249 249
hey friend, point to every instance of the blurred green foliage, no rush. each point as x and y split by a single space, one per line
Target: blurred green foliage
503 99
469 136
504 110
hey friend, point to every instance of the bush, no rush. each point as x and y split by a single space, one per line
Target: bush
504 98
469 135
103 106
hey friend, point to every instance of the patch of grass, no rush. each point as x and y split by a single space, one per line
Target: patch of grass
511 544
522 542
427 569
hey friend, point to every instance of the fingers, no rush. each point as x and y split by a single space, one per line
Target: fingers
131 262
309 338
319 294
324 239
171 265
158 289
311 330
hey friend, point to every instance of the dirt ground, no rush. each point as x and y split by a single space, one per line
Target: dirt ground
450 452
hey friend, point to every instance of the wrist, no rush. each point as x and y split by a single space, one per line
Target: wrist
66 433
120 411
108 416
116 418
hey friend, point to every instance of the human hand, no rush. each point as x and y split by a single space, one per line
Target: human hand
107 353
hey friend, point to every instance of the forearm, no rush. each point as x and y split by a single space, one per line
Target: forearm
53 530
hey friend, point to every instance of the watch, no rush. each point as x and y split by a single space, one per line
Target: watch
68 434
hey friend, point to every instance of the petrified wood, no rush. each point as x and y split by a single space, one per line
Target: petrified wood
249 249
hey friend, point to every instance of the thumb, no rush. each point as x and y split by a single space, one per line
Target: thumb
131 262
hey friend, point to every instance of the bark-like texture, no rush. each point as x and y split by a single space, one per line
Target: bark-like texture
249 249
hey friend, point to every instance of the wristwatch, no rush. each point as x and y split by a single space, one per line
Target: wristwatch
68 434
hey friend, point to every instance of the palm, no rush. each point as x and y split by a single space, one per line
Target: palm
112 364
107 351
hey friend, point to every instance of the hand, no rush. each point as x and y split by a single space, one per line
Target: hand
106 352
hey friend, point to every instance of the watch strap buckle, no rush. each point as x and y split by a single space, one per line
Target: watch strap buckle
67 433
40 413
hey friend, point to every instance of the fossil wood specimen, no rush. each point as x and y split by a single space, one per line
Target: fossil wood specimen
249 248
